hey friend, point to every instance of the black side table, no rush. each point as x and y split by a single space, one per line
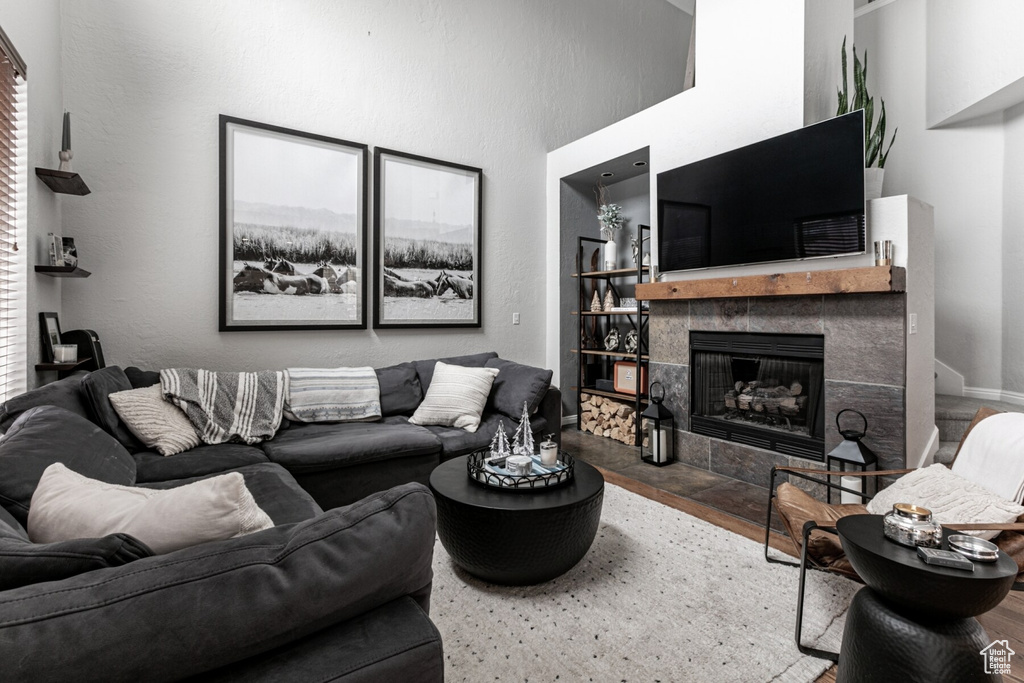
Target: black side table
516 537
914 621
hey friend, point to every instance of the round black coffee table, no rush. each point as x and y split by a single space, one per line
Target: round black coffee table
914 621
516 537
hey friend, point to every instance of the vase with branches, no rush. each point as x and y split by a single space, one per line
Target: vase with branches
609 215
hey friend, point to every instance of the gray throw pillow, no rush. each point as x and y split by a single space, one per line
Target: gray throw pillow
517 384
97 387
400 390
48 434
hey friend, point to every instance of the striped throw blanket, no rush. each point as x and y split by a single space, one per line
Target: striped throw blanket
228 406
333 395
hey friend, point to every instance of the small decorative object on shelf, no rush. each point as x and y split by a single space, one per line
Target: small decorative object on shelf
610 217
658 428
611 342
912 525
522 440
609 300
70 251
883 252
852 455
55 249
65 353
499 444
638 244
632 341
65 153
595 303
487 472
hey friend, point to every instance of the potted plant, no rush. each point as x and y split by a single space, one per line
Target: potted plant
610 217
874 131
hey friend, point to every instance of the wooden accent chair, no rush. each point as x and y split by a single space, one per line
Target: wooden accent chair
811 525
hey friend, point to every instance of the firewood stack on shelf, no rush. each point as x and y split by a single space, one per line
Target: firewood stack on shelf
608 417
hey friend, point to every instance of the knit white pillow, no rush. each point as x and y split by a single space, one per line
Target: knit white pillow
456 397
67 505
951 498
157 423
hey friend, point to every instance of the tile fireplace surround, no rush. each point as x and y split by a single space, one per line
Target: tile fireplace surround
865 369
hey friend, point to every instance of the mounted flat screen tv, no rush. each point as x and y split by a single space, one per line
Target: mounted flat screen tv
796 196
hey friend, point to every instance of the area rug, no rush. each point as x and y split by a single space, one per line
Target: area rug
661 596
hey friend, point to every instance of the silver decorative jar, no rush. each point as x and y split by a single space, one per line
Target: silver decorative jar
912 525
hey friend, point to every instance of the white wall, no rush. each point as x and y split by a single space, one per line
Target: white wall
956 169
975 58
490 84
35 29
750 85
1013 257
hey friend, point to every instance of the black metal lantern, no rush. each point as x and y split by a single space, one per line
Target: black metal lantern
852 456
658 425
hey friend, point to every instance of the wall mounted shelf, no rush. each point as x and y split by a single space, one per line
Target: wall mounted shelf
61 367
63 271
63 182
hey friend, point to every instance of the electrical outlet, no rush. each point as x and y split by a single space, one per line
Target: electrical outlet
913 323
515 318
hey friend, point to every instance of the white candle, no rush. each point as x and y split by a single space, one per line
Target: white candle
855 483
659 445
548 453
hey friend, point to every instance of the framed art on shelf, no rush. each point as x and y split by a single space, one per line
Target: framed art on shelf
292 229
427 228
49 330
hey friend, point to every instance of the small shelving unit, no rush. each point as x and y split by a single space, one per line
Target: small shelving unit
63 182
62 369
63 271
636 317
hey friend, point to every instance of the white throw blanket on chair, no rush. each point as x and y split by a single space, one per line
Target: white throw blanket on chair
993 456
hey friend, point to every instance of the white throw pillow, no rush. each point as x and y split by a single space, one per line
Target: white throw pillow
67 505
156 422
951 498
456 397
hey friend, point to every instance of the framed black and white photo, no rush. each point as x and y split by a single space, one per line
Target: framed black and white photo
293 229
426 221
49 330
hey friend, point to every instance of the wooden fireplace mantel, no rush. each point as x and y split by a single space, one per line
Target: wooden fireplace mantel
877 279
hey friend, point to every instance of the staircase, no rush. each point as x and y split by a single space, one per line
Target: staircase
953 414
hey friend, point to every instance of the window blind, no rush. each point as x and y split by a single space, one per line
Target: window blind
13 200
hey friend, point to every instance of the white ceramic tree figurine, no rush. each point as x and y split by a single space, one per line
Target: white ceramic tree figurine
522 441
499 444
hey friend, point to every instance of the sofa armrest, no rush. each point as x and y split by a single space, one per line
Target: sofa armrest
551 408
180 614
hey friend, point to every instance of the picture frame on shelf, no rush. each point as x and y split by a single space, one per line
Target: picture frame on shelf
49 331
427 217
293 229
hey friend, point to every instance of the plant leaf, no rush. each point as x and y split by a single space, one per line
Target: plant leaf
881 161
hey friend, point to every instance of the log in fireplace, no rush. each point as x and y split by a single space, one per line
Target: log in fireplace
762 390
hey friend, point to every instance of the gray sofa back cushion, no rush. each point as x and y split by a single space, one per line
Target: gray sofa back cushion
97 387
517 384
65 393
425 368
400 390
140 378
48 434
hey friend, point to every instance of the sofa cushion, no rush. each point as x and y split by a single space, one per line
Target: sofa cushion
197 462
48 434
67 506
272 486
425 368
23 562
456 397
317 447
140 379
64 393
515 385
97 387
157 423
455 442
400 390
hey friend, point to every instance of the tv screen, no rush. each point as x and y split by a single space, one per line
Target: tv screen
796 196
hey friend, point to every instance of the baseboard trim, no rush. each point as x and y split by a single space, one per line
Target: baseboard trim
995 395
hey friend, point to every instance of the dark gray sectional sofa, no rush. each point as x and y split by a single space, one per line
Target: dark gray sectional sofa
336 595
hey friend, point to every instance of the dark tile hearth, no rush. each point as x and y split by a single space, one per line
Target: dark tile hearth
737 498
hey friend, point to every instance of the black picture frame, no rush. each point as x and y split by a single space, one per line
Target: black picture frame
409 248
293 222
49 331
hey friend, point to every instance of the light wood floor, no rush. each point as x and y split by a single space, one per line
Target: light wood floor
1005 621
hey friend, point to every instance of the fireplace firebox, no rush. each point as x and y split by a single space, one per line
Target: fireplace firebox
762 390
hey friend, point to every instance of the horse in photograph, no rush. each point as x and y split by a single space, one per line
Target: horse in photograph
463 287
263 281
344 281
407 288
280 265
